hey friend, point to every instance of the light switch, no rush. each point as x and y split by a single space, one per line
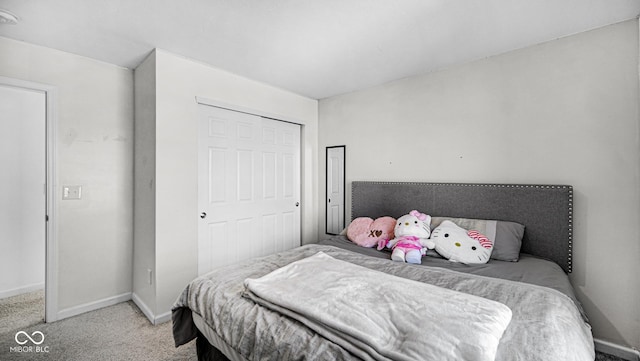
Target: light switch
71 192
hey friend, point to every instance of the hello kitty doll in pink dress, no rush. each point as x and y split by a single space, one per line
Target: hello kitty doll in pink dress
411 240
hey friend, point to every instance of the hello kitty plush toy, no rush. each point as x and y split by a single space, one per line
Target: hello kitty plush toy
412 233
460 245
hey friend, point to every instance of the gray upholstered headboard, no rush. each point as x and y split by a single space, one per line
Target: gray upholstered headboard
545 210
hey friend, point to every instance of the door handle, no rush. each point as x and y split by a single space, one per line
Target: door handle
203 215
297 204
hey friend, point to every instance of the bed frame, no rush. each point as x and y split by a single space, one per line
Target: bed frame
546 211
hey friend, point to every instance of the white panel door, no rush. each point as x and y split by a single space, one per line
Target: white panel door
22 190
248 187
335 189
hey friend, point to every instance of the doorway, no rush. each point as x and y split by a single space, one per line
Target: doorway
26 198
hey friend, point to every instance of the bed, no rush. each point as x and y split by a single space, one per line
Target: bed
530 311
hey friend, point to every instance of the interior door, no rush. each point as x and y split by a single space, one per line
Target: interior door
335 189
248 186
22 190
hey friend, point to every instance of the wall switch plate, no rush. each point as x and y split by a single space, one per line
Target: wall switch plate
71 192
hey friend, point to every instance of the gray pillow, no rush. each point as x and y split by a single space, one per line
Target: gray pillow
506 236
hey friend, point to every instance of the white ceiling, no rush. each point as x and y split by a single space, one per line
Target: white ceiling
310 47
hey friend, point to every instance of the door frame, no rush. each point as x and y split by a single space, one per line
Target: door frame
326 186
51 223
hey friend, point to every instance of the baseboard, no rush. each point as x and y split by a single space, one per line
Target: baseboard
21 290
617 350
155 320
144 308
162 318
92 306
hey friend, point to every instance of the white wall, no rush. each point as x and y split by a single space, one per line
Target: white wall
144 250
95 150
563 112
178 81
22 194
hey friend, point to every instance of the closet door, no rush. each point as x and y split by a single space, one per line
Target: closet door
248 187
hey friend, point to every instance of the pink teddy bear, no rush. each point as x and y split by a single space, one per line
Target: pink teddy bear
411 240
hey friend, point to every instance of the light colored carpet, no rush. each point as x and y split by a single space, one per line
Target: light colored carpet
119 332
21 311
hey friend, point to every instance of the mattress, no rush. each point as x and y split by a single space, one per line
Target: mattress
549 326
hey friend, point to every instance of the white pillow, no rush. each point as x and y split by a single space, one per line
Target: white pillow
506 235
459 245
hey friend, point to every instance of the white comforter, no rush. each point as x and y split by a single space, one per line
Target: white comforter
382 317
